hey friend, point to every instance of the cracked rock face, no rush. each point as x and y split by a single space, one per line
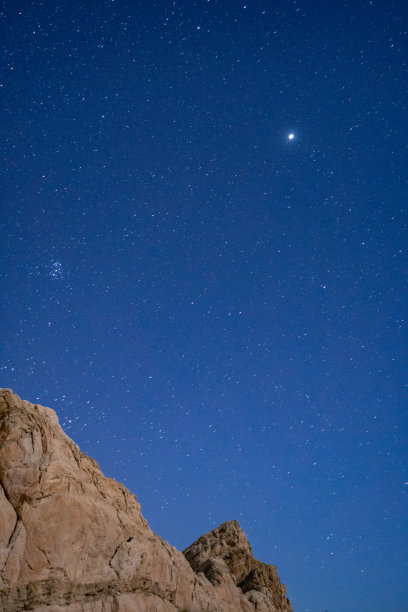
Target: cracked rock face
73 540
226 553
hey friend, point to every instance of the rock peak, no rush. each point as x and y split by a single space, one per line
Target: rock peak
225 553
73 540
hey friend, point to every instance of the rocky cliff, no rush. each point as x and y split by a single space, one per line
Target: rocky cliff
73 540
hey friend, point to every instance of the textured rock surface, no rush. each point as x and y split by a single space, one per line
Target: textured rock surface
225 553
73 540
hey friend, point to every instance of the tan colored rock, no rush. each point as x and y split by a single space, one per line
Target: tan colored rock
227 542
73 540
224 554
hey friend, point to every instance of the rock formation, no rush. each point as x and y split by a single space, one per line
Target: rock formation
225 555
73 540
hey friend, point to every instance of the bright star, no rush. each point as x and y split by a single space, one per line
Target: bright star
291 136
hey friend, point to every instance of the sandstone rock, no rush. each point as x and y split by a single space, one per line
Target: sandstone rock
224 554
73 540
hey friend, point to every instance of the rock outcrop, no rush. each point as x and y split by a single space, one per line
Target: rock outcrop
224 555
73 540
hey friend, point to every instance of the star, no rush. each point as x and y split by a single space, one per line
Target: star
291 136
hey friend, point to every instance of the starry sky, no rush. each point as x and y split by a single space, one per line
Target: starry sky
204 268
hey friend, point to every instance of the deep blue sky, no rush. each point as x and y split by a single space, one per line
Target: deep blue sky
218 312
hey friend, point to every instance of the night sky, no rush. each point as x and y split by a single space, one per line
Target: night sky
217 309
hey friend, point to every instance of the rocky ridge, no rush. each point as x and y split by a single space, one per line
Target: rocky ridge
73 540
